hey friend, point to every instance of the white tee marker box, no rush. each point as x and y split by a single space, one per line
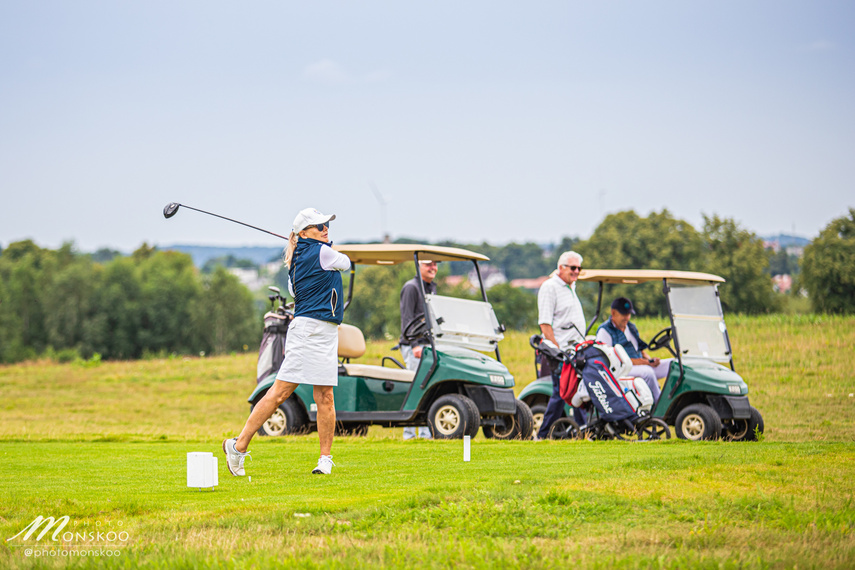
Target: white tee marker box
466 440
202 470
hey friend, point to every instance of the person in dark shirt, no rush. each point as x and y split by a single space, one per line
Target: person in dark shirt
413 313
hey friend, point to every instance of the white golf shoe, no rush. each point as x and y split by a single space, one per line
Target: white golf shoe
325 465
234 458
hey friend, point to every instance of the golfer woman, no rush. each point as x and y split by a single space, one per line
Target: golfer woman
311 350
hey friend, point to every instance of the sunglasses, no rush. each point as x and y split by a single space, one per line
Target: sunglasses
319 227
573 267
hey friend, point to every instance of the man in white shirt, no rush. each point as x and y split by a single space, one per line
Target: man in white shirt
561 320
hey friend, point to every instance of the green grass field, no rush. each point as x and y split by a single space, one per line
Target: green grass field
105 444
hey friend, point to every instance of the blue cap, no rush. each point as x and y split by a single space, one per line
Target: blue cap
623 306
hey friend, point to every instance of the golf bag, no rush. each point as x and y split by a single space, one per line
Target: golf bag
598 368
272 349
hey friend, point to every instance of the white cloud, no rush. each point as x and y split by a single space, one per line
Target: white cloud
326 71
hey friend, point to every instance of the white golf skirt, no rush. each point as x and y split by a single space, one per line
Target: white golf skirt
311 353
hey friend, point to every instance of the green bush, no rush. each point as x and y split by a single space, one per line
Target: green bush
828 267
66 355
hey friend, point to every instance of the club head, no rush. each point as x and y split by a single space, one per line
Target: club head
170 209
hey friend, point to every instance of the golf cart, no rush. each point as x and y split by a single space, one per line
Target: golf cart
456 389
702 398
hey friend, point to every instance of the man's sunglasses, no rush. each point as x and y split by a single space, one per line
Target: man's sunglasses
573 267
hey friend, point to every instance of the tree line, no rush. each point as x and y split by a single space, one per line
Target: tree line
64 304
626 240
156 302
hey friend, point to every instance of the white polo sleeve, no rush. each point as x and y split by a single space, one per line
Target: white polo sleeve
331 259
604 337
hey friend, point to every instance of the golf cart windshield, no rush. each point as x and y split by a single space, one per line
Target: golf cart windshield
465 323
699 322
452 321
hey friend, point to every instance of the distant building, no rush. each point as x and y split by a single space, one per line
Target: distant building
490 276
455 280
793 245
782 283
257 279
530 284
774 245
249 277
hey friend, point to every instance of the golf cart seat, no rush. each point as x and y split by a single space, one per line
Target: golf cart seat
351 344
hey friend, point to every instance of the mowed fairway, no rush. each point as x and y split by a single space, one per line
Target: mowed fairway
106 445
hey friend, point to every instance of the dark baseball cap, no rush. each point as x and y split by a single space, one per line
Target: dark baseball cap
623 306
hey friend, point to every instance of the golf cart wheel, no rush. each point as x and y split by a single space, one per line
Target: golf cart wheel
697 422
451 417
652 429
565 428
289 418
475 413
745 429
517 426
537 411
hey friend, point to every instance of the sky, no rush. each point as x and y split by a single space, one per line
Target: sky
472 121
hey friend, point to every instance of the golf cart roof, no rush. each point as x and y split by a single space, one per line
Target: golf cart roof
635 276
393 254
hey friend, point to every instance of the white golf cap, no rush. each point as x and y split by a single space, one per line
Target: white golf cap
309 217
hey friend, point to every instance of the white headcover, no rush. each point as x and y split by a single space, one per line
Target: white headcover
619 362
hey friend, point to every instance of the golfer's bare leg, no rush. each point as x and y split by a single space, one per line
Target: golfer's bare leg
274 397
326 417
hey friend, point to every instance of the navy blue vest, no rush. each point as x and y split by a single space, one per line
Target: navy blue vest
317 292
618 337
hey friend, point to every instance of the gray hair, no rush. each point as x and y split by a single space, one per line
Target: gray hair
567 256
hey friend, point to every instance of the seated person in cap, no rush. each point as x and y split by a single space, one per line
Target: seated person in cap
618 330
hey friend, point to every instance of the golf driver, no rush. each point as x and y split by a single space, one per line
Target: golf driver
170 209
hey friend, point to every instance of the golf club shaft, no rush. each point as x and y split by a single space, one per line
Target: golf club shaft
235 221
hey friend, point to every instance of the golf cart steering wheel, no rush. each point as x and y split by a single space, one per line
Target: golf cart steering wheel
662 339
415 330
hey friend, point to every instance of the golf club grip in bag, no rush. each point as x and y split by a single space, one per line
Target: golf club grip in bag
603 387
271 353
546 354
